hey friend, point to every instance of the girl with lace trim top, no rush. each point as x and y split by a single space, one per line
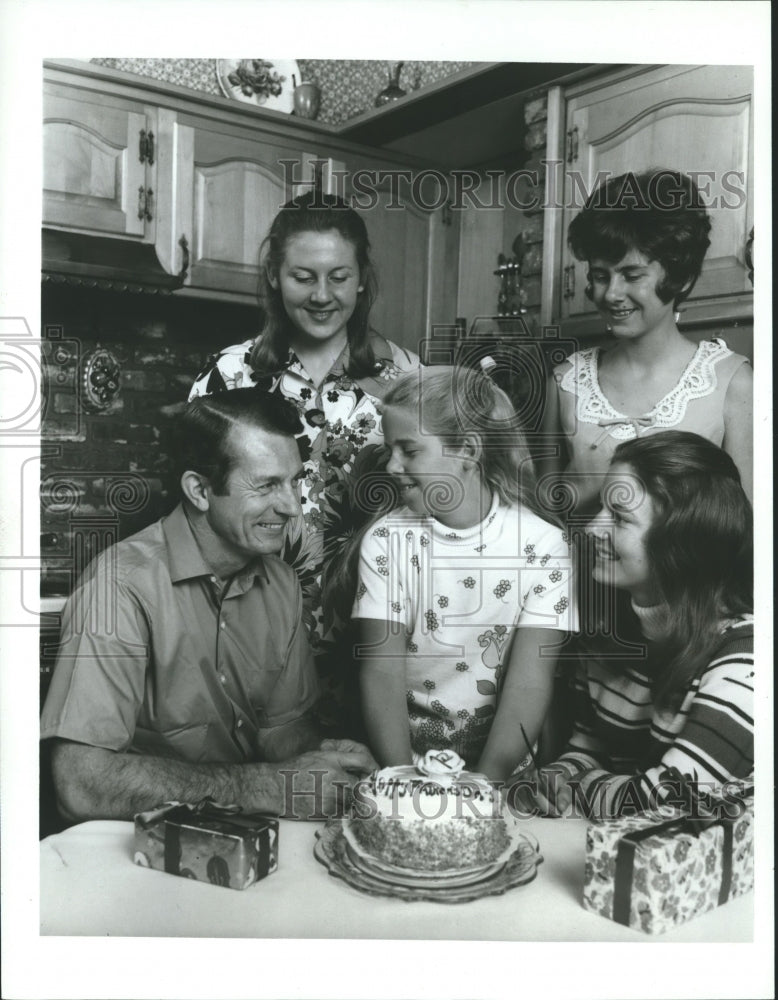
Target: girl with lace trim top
644 237
464 595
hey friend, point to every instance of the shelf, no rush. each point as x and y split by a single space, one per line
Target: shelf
454 95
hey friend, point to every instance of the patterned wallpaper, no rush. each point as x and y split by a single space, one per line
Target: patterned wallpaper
348 86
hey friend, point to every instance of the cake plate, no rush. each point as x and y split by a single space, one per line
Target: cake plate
333 851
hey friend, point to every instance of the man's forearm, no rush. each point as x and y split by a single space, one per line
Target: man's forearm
93 783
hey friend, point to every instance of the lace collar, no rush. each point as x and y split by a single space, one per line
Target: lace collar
593 407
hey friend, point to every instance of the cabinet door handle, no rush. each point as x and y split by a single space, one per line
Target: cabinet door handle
184 244
145 203
150 147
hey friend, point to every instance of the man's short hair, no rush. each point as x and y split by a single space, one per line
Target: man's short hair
202 429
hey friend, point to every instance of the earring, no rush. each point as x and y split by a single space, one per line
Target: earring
360 288
676 317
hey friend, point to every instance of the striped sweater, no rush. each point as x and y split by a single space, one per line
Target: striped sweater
622 746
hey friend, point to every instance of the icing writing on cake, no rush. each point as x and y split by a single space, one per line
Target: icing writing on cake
434 789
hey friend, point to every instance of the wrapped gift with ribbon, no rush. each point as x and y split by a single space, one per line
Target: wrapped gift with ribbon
652 871
207 841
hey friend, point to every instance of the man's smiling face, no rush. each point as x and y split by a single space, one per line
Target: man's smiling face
262 493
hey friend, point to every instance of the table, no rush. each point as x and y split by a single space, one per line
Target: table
90 886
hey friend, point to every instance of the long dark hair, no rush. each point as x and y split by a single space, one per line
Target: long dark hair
660 213
314 212
700 548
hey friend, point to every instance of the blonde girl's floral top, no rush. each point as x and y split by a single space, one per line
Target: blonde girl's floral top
458 596
342 437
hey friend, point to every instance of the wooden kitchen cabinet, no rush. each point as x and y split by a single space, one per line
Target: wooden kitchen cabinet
696 119
99 164
230 186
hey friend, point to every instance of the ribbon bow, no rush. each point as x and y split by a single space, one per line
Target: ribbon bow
702 812
206 809
635 422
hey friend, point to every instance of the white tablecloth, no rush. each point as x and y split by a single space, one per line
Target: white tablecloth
90 886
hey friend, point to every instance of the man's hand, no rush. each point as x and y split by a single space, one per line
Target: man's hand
318 784
346 746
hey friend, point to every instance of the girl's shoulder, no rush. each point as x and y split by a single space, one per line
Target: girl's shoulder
738 629
579 364
713 356
735 643
534 529
232 354
391 362
401 520
396 358
223 367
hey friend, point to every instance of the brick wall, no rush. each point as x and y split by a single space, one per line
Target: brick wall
104 475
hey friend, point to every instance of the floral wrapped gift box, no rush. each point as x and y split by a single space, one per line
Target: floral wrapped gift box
652 873
208 842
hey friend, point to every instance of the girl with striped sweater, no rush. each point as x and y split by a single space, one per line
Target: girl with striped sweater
664 685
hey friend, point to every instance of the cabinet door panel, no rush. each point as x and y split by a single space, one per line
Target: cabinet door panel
400 245
233 203
239 184
697 120
92 175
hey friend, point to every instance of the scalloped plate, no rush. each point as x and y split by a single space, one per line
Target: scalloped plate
332 850
426 879
284 101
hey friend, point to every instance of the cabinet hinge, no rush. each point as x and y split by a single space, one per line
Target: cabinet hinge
572 144
146 146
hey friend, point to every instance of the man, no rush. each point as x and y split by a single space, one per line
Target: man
184 670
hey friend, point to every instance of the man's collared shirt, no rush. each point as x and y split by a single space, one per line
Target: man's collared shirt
157 658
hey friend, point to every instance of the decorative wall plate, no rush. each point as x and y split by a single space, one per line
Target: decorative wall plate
265 83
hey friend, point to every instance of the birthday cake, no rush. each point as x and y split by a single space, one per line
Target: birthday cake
434 816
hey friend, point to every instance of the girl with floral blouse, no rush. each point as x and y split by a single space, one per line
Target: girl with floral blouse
316 348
